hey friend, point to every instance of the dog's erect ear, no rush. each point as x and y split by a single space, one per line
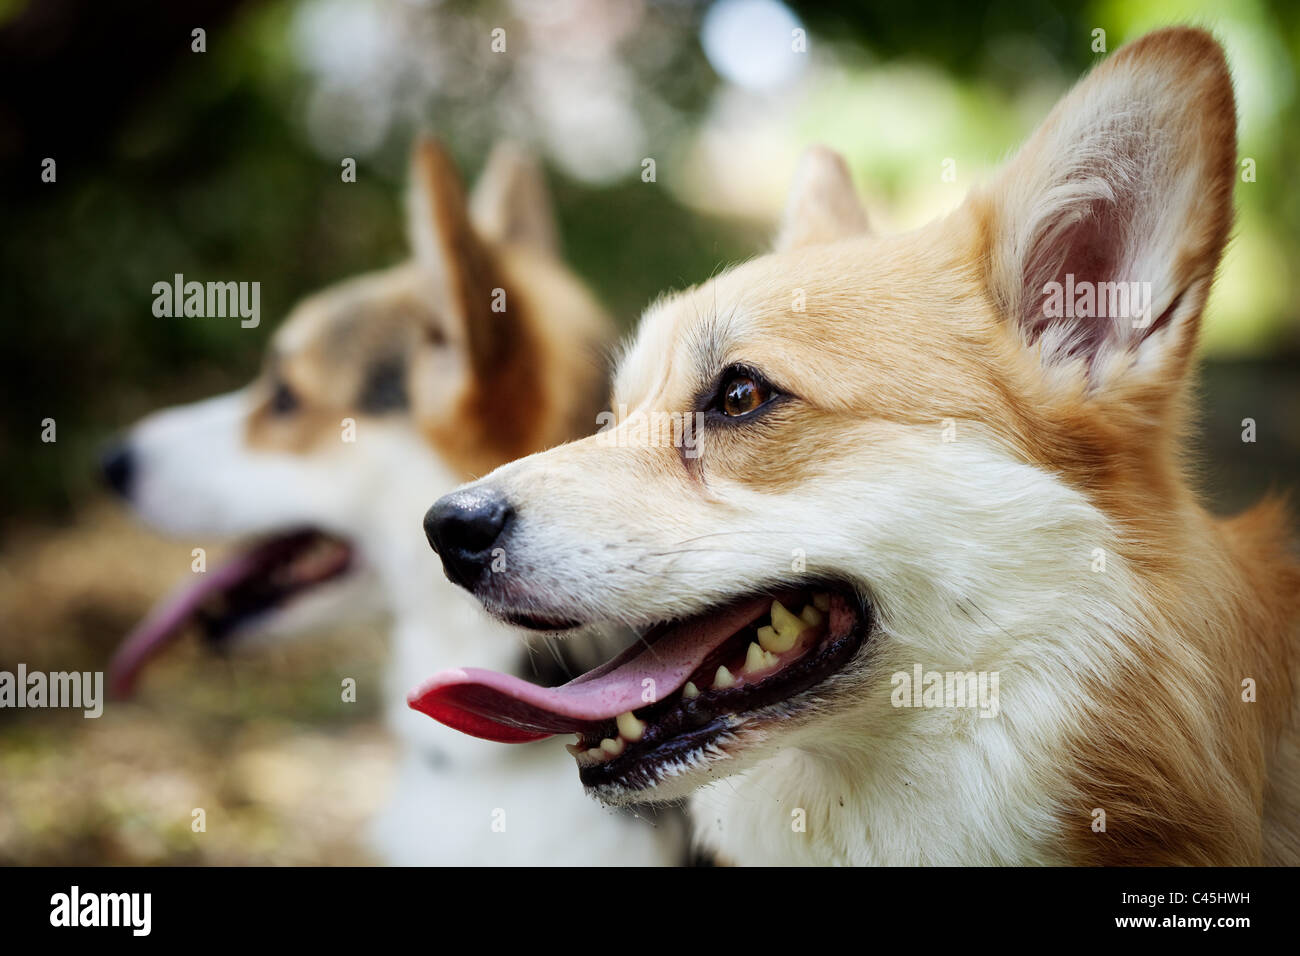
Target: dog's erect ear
445 243
823 205
1121 202
510 202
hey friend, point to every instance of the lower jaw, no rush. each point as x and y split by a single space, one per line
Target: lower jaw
691 732
649 778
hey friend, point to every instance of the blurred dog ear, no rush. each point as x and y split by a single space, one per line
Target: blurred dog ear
447 245
823 206
511 203
1125 190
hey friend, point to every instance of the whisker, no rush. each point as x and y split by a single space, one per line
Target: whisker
661 554
714 534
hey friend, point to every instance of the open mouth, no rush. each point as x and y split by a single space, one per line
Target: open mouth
260 579
679 689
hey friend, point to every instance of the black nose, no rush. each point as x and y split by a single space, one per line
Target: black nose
464 528
117 465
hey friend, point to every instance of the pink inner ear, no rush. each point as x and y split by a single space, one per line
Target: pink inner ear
1129 183
1085 253
1084 291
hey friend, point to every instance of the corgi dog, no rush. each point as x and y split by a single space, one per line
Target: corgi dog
910 463
482 348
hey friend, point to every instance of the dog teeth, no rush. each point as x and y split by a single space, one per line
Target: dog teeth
770 639
629 727
757 659
609 748
784 621
773 639
783 632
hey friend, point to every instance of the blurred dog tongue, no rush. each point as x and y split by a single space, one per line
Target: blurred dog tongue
508 709
168 618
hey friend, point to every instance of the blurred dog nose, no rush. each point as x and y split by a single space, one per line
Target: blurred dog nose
463 527
117 466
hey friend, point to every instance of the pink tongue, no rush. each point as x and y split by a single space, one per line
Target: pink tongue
501 707
167 619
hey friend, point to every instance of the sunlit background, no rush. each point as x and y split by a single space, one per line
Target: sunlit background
226 164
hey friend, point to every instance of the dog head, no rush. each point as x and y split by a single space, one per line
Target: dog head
480 349
859 453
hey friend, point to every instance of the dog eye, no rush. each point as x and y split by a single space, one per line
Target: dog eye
742 393
384 389
283 400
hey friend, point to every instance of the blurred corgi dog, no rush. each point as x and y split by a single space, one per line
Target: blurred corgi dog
482 348
924 467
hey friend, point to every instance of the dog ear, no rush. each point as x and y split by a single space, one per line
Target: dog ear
1121 202
823 205
447 245
511 204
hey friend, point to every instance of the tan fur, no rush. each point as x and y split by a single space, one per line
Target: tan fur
898 336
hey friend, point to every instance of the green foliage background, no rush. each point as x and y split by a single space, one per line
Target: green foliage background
201 166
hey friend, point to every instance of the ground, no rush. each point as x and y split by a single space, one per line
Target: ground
284 770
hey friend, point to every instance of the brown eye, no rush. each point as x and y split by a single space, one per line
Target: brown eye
283 400
742 394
